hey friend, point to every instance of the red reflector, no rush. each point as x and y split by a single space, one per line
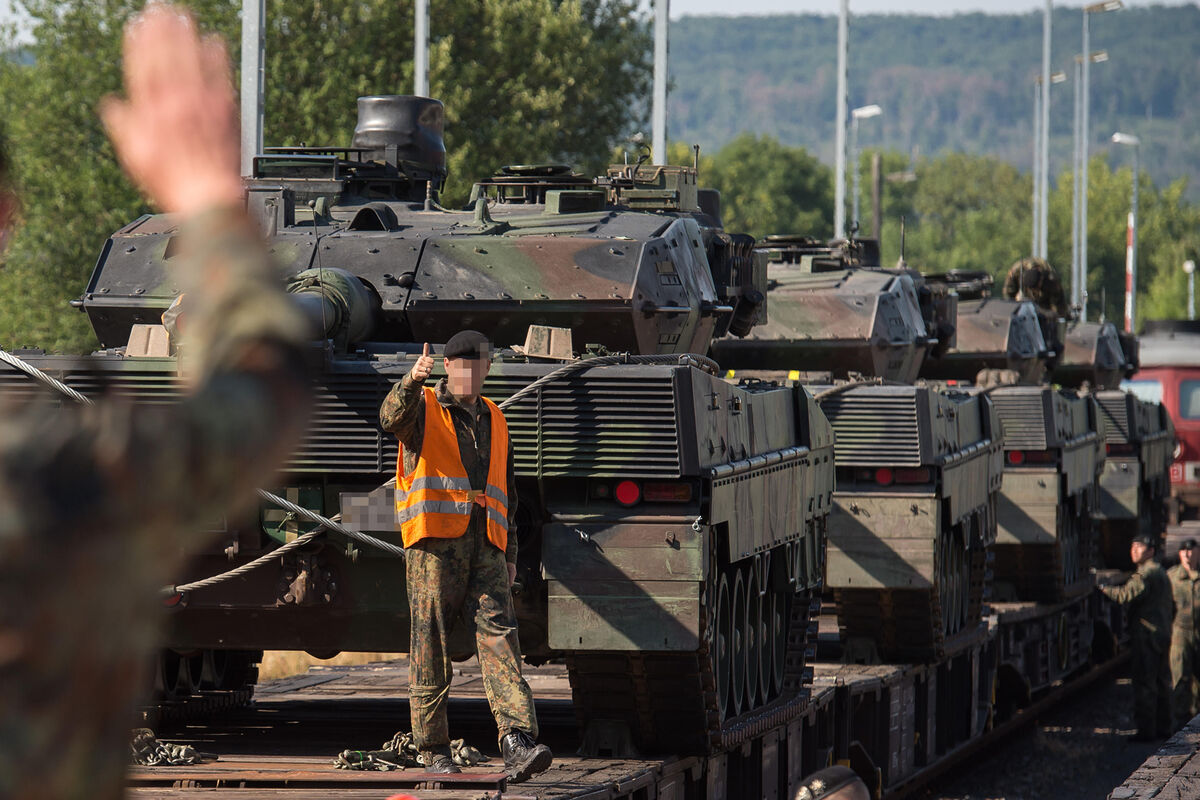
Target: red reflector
170 601
883 476
913 475
1016 457
667 492
628 493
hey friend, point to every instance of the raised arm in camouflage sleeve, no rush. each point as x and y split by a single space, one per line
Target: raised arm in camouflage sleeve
1128 591
403 413
99 505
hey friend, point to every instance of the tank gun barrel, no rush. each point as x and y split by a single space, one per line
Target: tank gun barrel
337 304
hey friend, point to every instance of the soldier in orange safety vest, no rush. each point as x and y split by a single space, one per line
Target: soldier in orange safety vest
456 505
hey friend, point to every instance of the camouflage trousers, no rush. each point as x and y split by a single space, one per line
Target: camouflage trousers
1151 678
445 578
1185 675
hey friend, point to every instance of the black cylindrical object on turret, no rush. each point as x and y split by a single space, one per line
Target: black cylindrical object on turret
402 128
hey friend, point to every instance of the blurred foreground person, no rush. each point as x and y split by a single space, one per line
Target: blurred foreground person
833 783
1148 595
99 505
1185 660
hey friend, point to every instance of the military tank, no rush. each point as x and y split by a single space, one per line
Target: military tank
1053 442
918 466
671 524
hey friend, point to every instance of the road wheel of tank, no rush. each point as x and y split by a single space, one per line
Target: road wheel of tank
780 617
754 639
737 668
722 651
179 675
230 669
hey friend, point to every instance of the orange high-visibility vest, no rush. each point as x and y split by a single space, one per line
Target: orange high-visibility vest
436 499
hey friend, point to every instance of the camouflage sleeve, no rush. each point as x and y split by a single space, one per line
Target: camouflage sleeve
100 505
1012 283
1128 591
403 413
510 552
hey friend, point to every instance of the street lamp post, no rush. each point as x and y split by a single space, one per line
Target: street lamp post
254 24
862 112
1079 206
1094 8
1041 136
658 111
1044 156
1131 234
839 160
1189 267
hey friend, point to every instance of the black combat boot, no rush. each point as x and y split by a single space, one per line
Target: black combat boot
522 758
441 763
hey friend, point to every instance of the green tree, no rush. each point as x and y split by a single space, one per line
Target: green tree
523 80
769 188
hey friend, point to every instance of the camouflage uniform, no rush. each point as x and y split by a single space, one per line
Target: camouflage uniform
1185 665
1148 594
446 576
1034 279
99 506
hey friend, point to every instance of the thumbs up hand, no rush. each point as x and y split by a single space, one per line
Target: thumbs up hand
424 366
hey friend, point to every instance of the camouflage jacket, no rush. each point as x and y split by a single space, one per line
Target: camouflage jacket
1148 594
403 413
1186 590
100 505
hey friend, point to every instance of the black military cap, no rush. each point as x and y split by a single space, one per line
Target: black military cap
1187 544
468 344
1146 539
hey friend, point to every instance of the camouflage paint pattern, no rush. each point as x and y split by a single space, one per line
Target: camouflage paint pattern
1149 597
100 506
1185 644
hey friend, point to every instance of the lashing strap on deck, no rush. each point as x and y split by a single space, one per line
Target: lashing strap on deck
401 753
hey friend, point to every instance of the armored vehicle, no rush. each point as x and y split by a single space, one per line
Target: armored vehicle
918 467
1052 442
670 524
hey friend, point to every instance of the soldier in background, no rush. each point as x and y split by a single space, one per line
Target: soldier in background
1185 640
1148 595
1034 279
456 502
99 506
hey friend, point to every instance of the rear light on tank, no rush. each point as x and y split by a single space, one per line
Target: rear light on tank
884 476
913 475
627 493
667 492
1016 458
1119 449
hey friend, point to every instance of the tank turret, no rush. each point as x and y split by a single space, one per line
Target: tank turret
832 313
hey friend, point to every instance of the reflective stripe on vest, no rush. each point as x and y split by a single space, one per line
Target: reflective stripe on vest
436 500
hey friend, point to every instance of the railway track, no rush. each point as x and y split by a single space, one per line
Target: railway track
283 745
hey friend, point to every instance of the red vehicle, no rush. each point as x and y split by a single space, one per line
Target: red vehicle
1170 374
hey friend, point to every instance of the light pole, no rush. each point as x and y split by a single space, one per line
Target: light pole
1189 267
254 24
1079 195
1131 234
1094 8
839 139
862 112
1044 155
658 113
421 49
1040 179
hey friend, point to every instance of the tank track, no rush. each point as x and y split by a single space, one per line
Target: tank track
199 686
669 703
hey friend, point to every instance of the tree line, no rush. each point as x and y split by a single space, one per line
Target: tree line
524 81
